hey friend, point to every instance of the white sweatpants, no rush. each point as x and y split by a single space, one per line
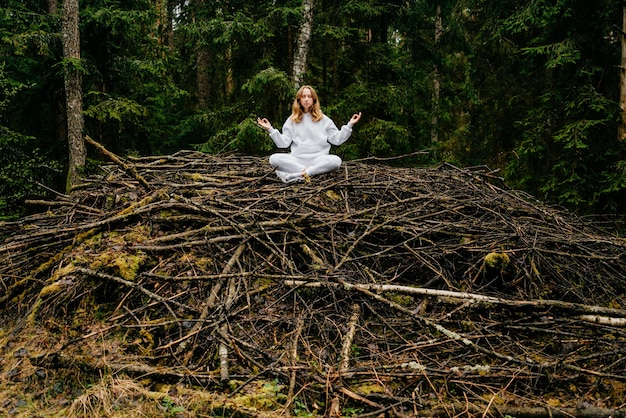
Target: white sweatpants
290 168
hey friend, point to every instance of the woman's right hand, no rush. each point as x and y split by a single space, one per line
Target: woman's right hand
264 123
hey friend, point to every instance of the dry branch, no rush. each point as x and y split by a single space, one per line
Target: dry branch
127 168
618 317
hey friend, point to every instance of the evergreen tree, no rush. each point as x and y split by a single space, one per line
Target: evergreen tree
30 93
548 95
132 99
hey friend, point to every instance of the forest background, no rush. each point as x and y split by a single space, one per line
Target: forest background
529 88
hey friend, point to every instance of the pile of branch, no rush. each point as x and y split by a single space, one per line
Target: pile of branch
376 289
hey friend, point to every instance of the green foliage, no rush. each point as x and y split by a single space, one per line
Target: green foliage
23 171
223 141
25 33
271 93
556 54
8 89
119 109
197 129
73 65
133 98
252 138
246 135
613 187
551 125
170 408
350 411
383 138
301 410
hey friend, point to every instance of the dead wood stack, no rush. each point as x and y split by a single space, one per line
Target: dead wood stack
376 289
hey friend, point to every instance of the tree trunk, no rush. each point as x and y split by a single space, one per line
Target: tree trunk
230 71
53 6
73 92
164 25
203 62
622 93
302 46
434 120
203 80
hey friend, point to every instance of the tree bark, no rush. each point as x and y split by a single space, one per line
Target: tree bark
203 63
230 70
597 314
163 24
53 6
434 120
302 46
622 79
202 76
73 92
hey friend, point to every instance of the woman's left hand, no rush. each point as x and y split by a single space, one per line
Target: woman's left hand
355 118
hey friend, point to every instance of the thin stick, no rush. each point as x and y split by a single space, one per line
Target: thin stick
348 338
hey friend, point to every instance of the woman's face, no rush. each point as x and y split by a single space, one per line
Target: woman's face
306 100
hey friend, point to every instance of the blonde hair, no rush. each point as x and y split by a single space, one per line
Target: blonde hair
297 111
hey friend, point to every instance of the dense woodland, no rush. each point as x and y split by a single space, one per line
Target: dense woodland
529 88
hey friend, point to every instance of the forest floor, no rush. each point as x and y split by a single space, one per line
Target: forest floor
194 285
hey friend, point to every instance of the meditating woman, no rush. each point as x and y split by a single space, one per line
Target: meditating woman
310 134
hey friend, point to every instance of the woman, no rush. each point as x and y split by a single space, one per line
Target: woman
310 134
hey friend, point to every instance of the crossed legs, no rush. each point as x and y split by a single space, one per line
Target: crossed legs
290 168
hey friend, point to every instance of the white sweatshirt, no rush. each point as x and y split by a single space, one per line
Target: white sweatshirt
309 139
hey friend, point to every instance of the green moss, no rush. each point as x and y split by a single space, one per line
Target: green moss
50 289
333 195
94 241
109 251
194 176
121 263
369 388
401 299
263 395
140 233
497 260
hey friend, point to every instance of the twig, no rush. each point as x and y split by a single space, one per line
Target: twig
347 339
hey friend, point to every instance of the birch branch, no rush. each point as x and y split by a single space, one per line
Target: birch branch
616 318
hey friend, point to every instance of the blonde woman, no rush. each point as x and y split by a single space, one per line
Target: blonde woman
310 134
